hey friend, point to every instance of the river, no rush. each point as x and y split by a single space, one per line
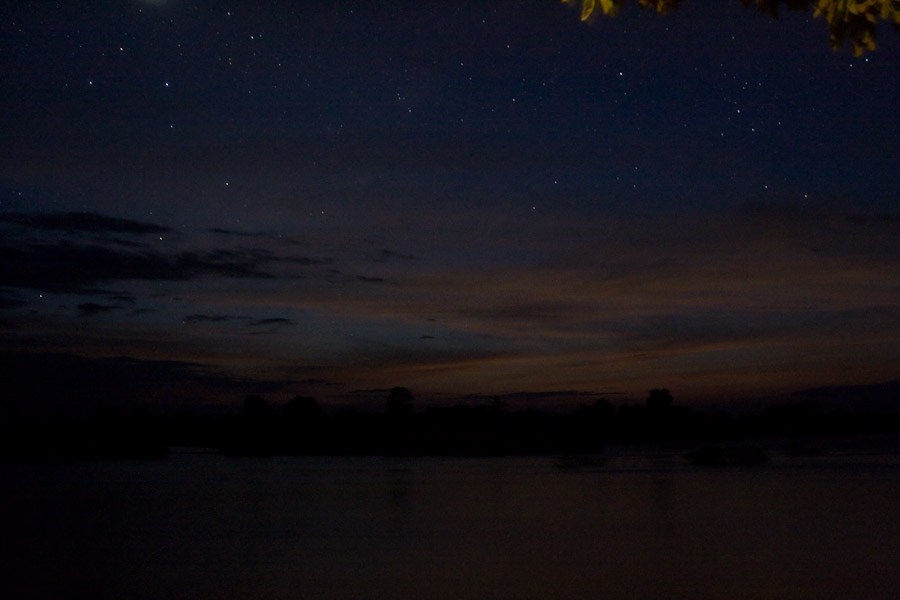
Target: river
636 525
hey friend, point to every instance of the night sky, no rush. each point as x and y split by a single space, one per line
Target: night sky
201 199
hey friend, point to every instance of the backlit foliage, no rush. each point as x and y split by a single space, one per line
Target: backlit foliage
853 21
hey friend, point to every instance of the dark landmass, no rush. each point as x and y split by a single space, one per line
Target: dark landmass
301 427
728 455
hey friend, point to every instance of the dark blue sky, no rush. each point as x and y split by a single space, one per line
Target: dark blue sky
328 197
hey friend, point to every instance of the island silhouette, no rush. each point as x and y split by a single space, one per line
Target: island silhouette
302 427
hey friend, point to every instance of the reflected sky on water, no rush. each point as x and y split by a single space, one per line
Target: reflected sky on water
201 526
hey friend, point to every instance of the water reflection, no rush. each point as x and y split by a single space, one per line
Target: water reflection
327 528
400 481
662 501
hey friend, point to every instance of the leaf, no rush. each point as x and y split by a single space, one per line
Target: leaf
587 7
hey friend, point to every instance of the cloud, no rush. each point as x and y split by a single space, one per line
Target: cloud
547 398
9 300
91 309
212 318
539 304
82 222
318 381
304 260
236 233
47 252
272 321
113 295
270 325
65 266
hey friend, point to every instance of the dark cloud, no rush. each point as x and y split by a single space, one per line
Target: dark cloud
317 381
62 260
270 325
305 260
552 399
235 233
124 243
82 222
265 255
272 321
212 318
91 309
531 397
114 296
689 294
70 267
9 300
366 393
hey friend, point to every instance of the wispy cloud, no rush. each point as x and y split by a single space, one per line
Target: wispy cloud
213 318
48 252
90 309
366 279
272 321
82 222
603 303
65 266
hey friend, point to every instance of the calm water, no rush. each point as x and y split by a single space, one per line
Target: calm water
637 526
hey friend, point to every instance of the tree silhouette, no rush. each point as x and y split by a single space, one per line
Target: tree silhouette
659 400
663 421
304 410
593 424
853 21
253 431
304 426
399 402
257 409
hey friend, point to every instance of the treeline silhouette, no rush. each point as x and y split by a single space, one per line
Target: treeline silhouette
301 427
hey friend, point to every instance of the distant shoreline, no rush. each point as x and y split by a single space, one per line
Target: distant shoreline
302 428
